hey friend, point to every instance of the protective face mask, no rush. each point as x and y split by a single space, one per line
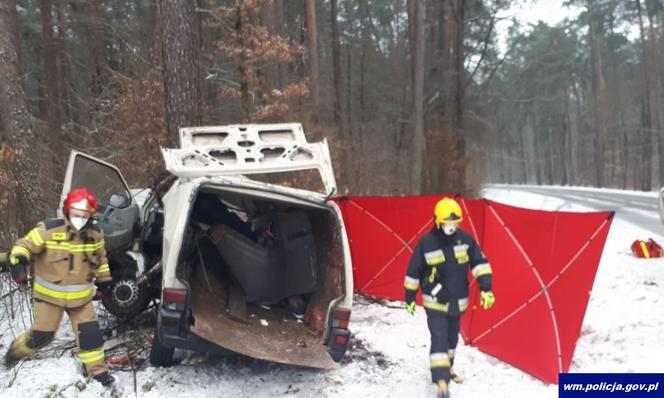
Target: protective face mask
78 222
449 229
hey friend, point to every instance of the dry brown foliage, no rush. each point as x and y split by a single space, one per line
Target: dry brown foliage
251 47
140 125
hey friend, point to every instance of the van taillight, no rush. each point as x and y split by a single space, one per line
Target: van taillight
341 339
338 342
174 299
341 318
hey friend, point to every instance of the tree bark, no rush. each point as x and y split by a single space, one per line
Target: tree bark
655 95
459 99
619 109
180 67
49 57
28 198
242 19
452 80
279 31
646 118
312 36
419 140
63 67
411 11
272 23
336 65
599 97
97 46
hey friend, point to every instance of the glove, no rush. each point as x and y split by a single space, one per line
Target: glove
102 287
410 308
19 270
487 299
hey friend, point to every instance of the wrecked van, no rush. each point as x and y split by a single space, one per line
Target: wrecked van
241 258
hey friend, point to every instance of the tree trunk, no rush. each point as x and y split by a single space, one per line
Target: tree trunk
180 67
279 30
336 65
244 68
419 140
312 35
49 57
25 188
622 131
599 98
97 47
655 95
563 150
91 84
349 96
272 23
646 119
452 79
411 11
459 99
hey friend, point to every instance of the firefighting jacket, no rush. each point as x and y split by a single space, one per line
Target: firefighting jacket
439 265
66 261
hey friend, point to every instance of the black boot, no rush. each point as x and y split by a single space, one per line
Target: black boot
104 378
10 359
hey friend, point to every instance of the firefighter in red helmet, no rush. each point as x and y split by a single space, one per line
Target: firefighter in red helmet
67 255
439 266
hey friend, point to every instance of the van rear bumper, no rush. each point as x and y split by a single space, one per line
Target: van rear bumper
178 337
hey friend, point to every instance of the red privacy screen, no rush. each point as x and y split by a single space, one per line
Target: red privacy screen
544 264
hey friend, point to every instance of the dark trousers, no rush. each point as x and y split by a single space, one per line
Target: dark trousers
444 331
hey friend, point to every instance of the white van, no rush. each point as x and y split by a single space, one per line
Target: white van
258 268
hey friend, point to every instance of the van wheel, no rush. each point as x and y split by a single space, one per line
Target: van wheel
124 298
160 355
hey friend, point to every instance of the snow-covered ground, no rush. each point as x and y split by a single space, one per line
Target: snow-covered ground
622 332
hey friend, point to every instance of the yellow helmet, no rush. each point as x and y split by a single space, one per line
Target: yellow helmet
447 210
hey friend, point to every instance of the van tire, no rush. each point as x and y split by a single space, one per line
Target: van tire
160 355
138 297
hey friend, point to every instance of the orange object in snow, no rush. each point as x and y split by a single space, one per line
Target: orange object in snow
649 249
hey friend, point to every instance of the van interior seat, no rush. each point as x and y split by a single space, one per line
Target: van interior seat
269 273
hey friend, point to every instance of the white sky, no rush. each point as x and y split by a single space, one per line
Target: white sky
549 11
529 12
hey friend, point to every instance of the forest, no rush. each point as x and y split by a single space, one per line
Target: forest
414 96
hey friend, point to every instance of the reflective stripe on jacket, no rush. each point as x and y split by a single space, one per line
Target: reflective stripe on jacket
439 266
66 261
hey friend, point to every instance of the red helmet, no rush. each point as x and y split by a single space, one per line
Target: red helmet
81 199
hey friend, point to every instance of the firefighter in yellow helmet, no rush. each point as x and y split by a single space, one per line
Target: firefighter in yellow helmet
439 266
67 255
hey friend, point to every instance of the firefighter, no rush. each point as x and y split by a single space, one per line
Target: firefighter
67 254
439 266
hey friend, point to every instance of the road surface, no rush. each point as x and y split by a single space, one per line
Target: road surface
640 209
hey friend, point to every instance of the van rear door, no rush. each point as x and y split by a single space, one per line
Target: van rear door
247 149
